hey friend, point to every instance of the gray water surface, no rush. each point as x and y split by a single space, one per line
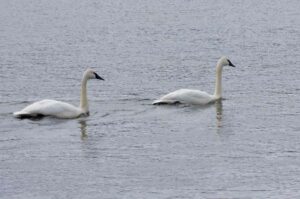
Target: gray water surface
247 146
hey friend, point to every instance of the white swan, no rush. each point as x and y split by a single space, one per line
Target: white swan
188 96
61 109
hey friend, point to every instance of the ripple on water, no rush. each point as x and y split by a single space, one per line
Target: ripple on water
245 147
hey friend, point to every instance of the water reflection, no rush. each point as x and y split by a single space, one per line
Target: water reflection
219 112
83 129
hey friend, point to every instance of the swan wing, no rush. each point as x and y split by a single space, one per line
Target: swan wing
185 96
50 108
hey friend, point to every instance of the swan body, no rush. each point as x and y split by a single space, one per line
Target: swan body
50 107
186 96
189 96
60 109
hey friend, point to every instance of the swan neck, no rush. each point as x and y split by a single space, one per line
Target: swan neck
83 96
218 87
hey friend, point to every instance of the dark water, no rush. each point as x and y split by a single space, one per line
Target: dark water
248 146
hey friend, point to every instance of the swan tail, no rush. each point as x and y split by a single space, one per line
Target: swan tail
18 113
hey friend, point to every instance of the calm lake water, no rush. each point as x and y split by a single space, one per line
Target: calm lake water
247 146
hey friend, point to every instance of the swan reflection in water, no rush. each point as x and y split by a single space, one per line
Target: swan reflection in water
83 129
219 112
219 115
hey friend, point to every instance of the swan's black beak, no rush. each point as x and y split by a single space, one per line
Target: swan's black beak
98 77
230 64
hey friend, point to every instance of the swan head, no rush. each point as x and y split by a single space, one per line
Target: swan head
91 74
224 61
